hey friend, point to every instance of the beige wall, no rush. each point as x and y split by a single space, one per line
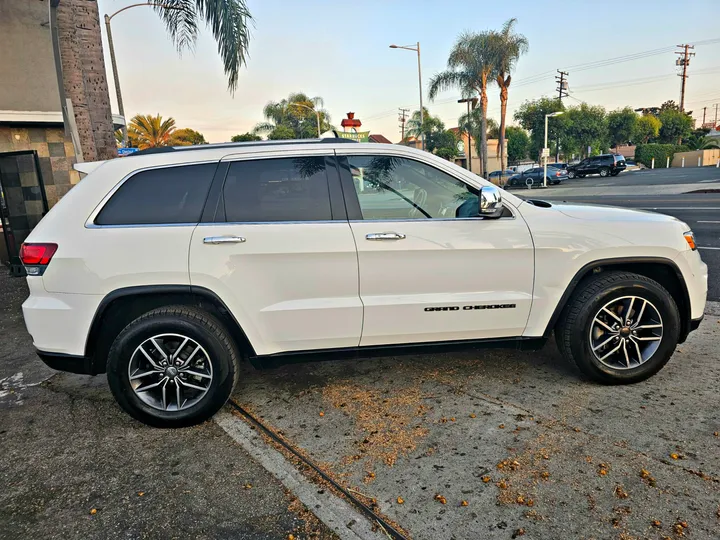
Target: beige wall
27 70
707 158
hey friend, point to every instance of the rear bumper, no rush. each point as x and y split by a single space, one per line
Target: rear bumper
67 362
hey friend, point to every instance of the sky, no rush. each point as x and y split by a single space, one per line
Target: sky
338 50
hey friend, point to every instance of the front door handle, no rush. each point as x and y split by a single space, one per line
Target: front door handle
214 240
385 236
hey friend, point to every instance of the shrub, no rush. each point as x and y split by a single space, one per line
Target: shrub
645 152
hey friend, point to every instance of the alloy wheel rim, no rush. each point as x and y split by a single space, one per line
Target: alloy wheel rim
170 372
626 332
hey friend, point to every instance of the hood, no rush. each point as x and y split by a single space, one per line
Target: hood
597 212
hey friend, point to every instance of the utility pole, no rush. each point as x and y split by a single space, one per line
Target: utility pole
683 61
562 90
402 119
469 101
704 114
716 109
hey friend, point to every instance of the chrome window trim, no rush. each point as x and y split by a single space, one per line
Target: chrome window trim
426 220
236 223
90 222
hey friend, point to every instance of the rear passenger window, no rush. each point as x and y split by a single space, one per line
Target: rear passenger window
160 196
285 189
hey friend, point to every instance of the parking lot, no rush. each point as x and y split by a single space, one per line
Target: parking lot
486 444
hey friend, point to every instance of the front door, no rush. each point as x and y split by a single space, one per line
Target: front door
430 269
281 255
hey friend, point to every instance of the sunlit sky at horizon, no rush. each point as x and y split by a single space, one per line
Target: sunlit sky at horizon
339 50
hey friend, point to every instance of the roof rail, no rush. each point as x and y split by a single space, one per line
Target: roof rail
164 149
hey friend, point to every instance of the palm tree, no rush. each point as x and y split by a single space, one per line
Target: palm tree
414 128
507 48
148 131
298 113
471 65
83 65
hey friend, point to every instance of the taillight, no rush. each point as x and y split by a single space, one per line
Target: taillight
36 257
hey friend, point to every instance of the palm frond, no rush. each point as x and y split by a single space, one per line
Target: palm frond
446 80
228 20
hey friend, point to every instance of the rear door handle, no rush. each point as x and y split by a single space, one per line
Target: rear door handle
385 236
214 240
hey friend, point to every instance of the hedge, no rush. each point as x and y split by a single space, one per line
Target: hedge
645 152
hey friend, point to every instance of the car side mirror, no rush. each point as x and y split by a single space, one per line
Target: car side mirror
490 202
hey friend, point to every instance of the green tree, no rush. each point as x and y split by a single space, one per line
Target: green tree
508 46
531 116
187 137
148 131
675 126
281 132
296 113
582 127
442 142
621 126
470 68
430 123
245 137
647 127
518 143
698 140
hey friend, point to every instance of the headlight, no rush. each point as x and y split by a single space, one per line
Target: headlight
690 239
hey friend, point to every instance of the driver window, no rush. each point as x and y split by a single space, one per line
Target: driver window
398 188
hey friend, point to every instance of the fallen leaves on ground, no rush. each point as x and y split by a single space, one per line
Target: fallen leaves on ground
93 511
473 415
620 493
440 499
463 503
486 479
656 523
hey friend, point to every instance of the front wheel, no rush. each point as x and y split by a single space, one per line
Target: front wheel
614 173
173 367
619 328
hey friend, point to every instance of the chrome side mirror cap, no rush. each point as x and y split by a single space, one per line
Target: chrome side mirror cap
491 205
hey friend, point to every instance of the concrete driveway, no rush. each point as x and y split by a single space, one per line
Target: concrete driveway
499 444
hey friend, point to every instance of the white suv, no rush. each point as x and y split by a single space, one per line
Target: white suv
164 269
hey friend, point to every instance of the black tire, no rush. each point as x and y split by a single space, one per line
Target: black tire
572 332
571 174
604 171
194 323
614 173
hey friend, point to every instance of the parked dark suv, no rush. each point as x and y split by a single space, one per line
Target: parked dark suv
604 165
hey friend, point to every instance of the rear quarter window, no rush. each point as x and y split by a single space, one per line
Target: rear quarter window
160 196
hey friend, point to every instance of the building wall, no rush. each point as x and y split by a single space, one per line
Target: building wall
707 158
28 81
55 152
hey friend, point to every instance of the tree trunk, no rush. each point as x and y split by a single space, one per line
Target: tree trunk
483 130
84 80
503 112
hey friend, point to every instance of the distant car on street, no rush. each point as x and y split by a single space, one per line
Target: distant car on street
496 175
604 165
534 177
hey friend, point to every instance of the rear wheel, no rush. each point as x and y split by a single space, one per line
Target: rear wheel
619 328
604 171
571 174
172 367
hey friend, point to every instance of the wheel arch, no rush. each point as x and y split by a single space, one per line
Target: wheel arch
121 306
660 269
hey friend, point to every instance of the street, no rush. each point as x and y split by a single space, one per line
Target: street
701 211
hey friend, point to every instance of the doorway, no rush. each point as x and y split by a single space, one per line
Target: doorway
23 203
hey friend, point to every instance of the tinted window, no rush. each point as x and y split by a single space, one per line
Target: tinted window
287 189
397 188
159 196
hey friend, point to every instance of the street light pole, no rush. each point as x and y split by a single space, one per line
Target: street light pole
121 107
422 114
546 150
317 114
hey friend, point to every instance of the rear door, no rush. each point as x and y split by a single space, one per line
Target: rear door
430 269
279 252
